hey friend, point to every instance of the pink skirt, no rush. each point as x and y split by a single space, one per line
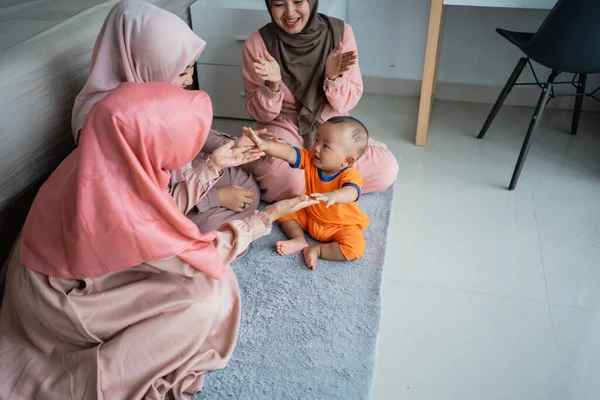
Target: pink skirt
134 334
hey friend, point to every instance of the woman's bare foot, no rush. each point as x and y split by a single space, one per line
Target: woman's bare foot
292 246
311 255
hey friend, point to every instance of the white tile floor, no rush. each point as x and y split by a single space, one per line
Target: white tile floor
489 294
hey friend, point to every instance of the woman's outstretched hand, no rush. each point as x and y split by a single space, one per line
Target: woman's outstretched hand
289 206
337 62
228 156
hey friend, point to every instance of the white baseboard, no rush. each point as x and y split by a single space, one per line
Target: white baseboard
520 96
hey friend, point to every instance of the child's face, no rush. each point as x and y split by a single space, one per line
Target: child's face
331 150
186 77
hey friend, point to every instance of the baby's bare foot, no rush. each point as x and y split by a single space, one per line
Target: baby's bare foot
311 255
292 246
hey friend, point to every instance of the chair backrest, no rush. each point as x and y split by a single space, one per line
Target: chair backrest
569 38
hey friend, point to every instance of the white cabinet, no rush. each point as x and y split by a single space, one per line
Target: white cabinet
224 85
225 25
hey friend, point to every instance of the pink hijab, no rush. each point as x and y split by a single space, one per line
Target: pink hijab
106 207
138 42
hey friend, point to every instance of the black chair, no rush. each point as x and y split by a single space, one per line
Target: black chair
567 42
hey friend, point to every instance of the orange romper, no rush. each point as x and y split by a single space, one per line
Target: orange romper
340 223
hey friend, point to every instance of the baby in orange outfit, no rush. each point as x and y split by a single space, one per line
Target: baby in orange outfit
332 179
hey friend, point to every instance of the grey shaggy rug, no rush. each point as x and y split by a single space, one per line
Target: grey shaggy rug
307 334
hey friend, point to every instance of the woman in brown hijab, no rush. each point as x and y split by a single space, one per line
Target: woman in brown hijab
300 70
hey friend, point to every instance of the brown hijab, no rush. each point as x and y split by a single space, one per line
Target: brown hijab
302 59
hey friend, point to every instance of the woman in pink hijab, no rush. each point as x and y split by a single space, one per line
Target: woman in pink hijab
140 42
111 292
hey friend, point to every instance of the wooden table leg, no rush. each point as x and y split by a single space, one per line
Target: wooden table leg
434 38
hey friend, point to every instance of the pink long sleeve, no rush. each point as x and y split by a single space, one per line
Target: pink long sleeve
262 104
232 240
234 237
344 93
197 181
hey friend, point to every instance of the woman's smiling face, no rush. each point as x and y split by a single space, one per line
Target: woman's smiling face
291 15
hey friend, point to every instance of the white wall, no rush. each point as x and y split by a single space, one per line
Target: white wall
391 36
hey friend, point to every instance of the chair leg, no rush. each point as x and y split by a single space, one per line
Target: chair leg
535 120
578 103
505 91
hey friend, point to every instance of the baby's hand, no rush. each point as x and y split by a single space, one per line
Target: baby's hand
254 138
245 141
327 198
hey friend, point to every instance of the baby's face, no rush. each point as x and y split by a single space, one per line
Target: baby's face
331 147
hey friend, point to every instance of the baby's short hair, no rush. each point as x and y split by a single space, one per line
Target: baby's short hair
360 133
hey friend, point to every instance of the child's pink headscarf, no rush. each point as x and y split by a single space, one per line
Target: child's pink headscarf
106 207
138 42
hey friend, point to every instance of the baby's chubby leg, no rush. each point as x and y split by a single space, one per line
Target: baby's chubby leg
347 243
326 251
297 241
